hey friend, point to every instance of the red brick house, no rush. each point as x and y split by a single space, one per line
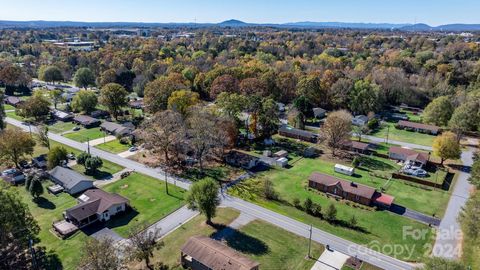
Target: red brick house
348 190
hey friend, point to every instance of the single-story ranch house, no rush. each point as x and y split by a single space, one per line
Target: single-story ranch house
203 253
86 121
116 129
359 120
356 146
72 181
14 101
408 156
418 127
242 160
94 205
348 190
62 116
297 134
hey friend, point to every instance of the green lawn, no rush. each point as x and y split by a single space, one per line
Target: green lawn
8 107
403 135
105 171
85 134
149 199
267 244
113 146
50 209
14 116
381 226
60 127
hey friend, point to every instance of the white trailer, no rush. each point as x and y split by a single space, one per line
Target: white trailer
344 169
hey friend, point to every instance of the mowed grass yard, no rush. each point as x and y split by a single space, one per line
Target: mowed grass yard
60 127
147 197
47 209
113 146
261 241
381 226
403 135
85 134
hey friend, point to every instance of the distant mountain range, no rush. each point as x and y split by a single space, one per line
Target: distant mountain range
237 23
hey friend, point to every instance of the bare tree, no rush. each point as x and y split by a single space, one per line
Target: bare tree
337 129
43 136
202 134
163 131
100 255
143 243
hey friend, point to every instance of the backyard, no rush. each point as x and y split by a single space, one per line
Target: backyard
85 134
402 135
261 241
147 197
381 226
47 209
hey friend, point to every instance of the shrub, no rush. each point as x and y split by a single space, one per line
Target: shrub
316 210
307 205
331 213
268 190
296 203
356 162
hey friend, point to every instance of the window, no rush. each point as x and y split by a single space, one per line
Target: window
119 208
357 198
335 191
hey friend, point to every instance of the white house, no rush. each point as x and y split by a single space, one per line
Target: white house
360 120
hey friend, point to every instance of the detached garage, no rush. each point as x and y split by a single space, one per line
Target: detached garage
70 180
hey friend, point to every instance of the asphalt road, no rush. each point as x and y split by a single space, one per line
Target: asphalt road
448 243
286 223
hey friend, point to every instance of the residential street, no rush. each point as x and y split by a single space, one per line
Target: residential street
336 243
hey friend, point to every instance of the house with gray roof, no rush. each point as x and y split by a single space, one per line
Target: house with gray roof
72 181
116 129
86 121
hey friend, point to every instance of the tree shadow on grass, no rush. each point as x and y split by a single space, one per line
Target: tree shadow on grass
243 242
44 203
100 175
123 219
47 259
374 164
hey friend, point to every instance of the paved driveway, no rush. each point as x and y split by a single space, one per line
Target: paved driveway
330 260
420 217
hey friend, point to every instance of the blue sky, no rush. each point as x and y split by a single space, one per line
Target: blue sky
433 12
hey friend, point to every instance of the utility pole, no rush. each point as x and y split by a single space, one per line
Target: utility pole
166 179
88 145
388 131
310 242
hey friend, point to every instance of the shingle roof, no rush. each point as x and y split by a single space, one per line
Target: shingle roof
98 201
410 154
216 255
357 145
295 131
68 178
85 119
350 187
418 125
84 210
117 128
106 199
